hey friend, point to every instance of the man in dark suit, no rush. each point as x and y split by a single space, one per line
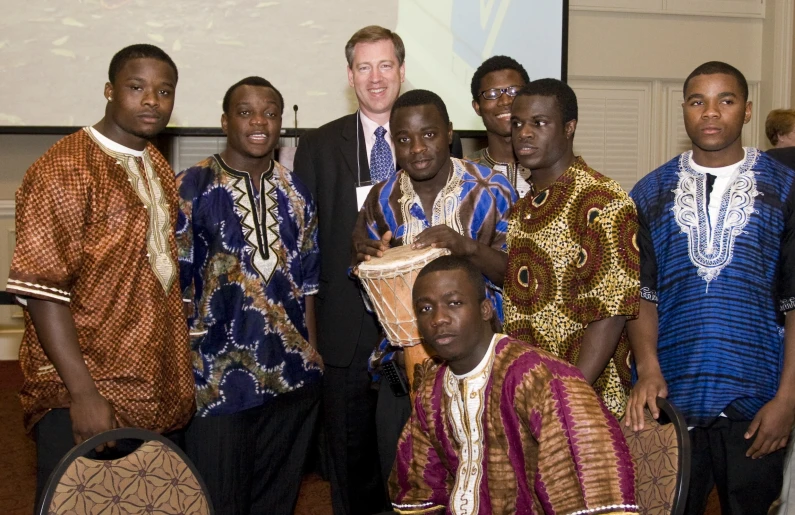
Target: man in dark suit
335 161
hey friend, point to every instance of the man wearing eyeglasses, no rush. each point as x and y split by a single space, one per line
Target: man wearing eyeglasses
494 86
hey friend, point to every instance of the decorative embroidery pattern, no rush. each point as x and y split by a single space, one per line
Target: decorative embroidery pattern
632 508
711 247
146 185
417 509
647 293
786 304
39 289
517 175
445 206
259 222
467 401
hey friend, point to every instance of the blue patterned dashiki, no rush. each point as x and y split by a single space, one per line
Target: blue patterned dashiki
721 288
247 262
475 202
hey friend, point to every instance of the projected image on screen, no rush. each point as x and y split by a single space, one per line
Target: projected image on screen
447 41
54 55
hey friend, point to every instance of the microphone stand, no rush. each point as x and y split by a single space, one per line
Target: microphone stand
295 124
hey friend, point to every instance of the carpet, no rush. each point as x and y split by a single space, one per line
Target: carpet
17 452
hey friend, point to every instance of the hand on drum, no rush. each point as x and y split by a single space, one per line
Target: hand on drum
367 248
443 237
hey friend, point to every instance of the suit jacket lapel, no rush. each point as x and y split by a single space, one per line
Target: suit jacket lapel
349 145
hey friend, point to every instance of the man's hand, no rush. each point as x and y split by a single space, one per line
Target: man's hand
443 237
367 248
772 426
91 414
645 393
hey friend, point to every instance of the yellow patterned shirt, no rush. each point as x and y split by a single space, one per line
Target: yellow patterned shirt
573 260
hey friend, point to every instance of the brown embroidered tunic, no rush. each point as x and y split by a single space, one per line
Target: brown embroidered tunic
95 231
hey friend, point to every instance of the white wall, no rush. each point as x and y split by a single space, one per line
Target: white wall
660 46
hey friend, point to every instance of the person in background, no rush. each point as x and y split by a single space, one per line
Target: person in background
494 86
339 162
780 128
95 266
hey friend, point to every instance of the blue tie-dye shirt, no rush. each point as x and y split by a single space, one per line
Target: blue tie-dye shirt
722 285
247 260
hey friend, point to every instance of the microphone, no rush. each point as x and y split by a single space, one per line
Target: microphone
295 124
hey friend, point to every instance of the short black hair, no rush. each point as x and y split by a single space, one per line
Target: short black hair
495 64
452 263
564 95
139 51
713 67
421 97
250 81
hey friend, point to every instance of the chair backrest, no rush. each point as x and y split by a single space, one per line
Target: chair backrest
661 454
157 477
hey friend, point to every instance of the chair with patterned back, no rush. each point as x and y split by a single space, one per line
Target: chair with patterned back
156 477
661 454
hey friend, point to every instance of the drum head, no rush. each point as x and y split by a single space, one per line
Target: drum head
400 257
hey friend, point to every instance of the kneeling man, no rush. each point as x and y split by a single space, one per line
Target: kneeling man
500 426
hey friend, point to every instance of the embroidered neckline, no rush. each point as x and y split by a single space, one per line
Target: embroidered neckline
467 394
258 220
146 184
445 206
511 169
711 247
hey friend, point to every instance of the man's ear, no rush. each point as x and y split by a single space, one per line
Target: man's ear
224 123
450 134
108 91
570 128
350 77
486 310
748 109
476 107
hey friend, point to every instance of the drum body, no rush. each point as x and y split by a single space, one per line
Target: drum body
388 281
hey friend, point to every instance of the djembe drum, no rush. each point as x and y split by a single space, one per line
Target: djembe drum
388 281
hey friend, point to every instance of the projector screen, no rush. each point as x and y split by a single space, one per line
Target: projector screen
55 54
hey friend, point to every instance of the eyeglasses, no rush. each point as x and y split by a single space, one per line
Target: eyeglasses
495 93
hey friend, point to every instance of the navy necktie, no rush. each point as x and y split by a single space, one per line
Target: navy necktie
381 166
